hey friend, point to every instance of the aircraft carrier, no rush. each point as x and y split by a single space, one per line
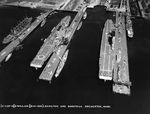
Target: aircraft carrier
58 43
50 43
113 59
19 29
106 60
10 47
121 77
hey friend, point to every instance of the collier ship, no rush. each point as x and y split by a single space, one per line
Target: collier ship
18 30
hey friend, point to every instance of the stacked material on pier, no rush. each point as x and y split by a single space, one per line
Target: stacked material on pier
18 30
103 2
135 9
53 2
118 5
73 5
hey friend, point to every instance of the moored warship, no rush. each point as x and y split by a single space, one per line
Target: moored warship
59 43
51 43
18 30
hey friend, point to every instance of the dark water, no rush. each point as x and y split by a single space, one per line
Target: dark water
78 83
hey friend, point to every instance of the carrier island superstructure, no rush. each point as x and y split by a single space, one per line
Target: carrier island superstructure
113 61
55 46
21 36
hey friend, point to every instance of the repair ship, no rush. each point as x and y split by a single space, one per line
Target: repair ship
18 30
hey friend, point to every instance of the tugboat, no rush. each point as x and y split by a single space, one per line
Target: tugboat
18 30
129 28
130 32
43 22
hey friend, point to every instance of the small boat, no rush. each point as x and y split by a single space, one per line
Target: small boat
130 32
85 15
43 22
8 57
79 26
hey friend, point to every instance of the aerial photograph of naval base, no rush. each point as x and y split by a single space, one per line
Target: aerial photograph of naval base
75 54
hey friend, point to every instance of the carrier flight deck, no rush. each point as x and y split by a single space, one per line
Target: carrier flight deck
55 46
10 47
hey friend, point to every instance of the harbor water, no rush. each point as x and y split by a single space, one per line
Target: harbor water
78 82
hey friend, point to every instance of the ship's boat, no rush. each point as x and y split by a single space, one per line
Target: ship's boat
8 57
18 30
85 15
79 26
43 22
130 32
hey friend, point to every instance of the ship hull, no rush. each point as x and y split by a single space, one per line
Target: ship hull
18 30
